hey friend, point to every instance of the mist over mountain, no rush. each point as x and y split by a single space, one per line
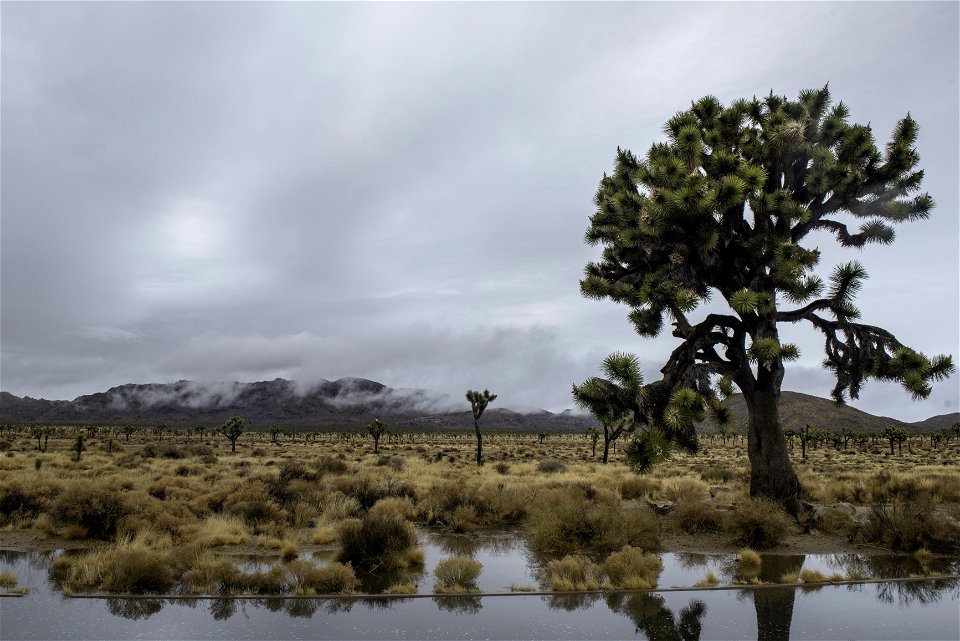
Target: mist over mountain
345 402
354 402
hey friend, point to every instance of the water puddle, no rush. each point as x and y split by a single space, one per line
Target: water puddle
887 610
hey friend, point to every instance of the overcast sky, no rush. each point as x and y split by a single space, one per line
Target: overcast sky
227 191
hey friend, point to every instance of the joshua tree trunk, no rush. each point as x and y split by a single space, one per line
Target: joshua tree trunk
476 425
606 444
771 473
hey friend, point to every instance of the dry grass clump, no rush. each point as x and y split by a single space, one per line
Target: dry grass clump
907 526
631 569
378 542
708 581
749 561
222 529
336 578
141 564
8 579
401 507
252 502
572 573
551 466
685 489
25 498
694 516
402 587
289 550
457 574
460 507
638 487
565 520
90 505
758 523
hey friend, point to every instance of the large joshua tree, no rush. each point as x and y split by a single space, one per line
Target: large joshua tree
718 212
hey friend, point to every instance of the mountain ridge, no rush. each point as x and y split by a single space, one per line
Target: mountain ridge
353 402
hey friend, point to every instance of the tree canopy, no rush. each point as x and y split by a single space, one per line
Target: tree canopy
719 212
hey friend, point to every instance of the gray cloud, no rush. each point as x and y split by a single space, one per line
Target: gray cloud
221 191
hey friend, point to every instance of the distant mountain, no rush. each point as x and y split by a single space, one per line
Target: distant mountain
346 402
798 410
354 402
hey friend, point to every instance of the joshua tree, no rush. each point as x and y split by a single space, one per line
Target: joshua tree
896 435
478 403
78 446
377 429
275 431
593 433
614 403
232 429
127 431
719 212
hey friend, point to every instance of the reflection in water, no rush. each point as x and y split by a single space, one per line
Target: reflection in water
774 606
459 604
651 616
571 602
135 609
916 592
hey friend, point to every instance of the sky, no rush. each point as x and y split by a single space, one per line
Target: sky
245 191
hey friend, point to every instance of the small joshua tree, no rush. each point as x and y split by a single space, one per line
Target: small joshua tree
593 433
232 429
478 403
127 431
377 429
78 445
895 435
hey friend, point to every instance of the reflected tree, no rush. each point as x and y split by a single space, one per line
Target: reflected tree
134 609
458 604
774 606
222 609
651 616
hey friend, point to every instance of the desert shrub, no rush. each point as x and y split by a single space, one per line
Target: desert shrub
695 516
19 499
502 468
335 578
394 462
130 566
339 506
198 449
639 487
463 507
758 523
551 466
565 520
393 506
368 491
685 489
252 502
572 572
8 579
273 581
457 574
222 529
717 473
632 569
907 526
377 542
293 481
89 505
401 587
208 575
832 519
330 466
163 450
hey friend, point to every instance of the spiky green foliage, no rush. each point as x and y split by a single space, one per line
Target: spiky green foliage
719 210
